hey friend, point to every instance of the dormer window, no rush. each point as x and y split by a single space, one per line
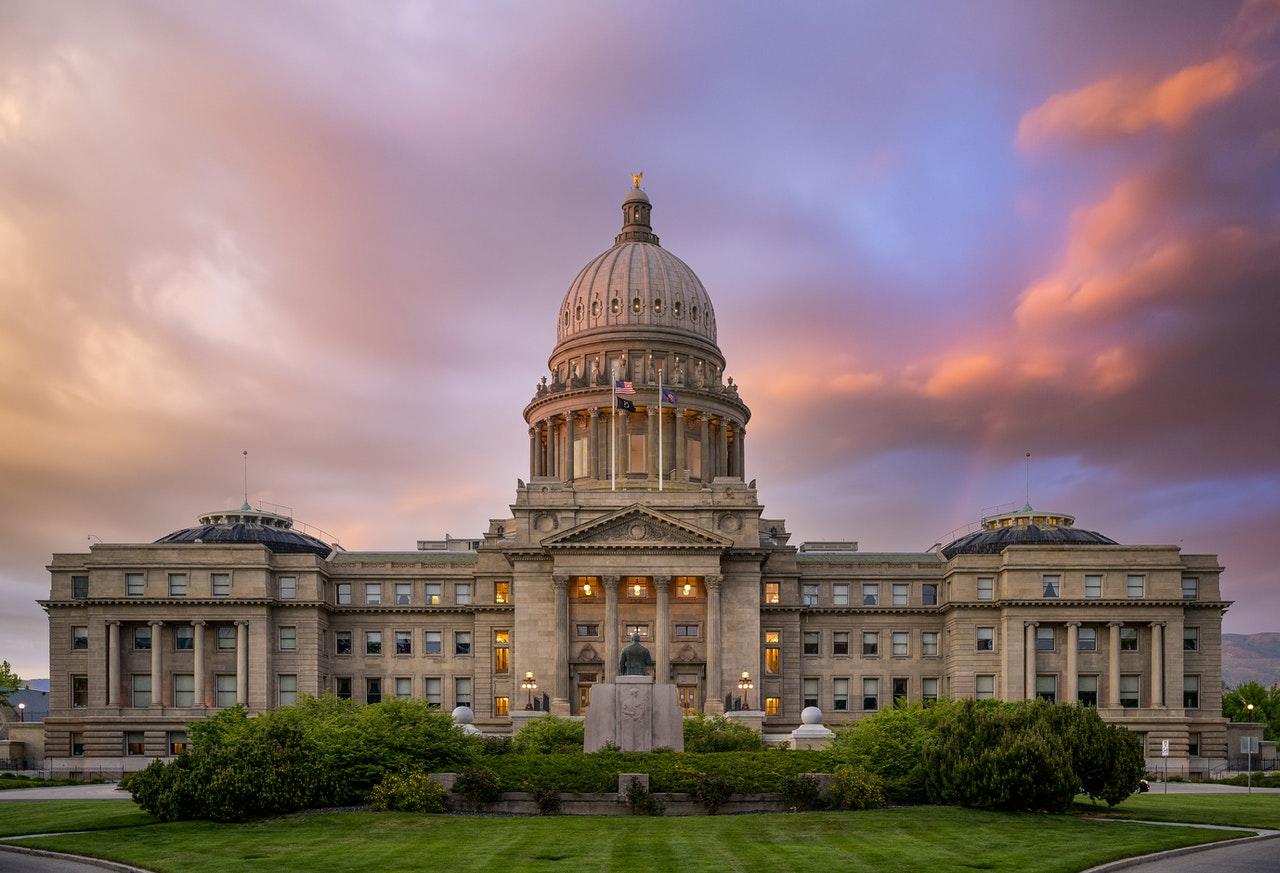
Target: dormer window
675 309
615 306
635 305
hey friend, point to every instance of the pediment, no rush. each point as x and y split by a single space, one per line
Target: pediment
636 527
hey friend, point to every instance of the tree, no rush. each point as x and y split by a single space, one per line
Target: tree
9 683
1266 706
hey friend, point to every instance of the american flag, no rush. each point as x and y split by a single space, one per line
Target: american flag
621 387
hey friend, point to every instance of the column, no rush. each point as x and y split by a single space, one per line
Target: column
1072 691
662 630
624 444
538 452
533 453
570 426
560 687
593 445
651 442
157 697
553 450
113 663
242 662
707 474
677 428
1157 664
199 668
1113 664
1030 654
610 627
715 694
742 452
722 461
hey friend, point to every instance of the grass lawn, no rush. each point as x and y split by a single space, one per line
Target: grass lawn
936 839
1245 810
47 816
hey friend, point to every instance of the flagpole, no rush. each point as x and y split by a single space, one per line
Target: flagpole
659 428
613 441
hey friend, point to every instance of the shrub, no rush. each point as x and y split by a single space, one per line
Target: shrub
717 733
549 735
641 800
802 791
409 792
547 799
712 790
478 786
856 788
890 744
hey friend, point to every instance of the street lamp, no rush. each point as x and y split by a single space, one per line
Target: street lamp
744 685
1248 742
22 712
530 686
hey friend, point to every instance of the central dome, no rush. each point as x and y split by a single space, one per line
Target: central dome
636 283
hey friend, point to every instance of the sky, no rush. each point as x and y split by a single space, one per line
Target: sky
937 236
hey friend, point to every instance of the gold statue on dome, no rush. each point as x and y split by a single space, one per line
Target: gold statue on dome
636 178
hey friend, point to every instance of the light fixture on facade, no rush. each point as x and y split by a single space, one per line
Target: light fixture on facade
22 711
688 589
530 686
637 590
586 589
744 685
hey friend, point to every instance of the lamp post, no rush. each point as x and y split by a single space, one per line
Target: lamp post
744 685
1248 742
530 686
22 712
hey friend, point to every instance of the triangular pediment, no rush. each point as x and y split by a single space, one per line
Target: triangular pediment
636 527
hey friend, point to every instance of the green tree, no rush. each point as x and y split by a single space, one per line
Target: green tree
1266 706
9 683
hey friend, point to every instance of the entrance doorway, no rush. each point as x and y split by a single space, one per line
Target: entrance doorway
688 697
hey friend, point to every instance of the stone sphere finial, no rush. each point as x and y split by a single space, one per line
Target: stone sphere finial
811 715
463 715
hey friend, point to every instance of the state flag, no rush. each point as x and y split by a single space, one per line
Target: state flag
626 405
669 396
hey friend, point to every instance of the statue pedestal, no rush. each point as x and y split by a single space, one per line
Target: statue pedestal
635 714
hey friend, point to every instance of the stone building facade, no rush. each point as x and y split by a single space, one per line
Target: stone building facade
637 520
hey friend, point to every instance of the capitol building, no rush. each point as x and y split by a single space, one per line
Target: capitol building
638 516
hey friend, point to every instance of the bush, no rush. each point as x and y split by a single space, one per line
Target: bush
712 790
641 800
891 744
547 799
856 788
802 791
549 735
409 792
717 733
478 786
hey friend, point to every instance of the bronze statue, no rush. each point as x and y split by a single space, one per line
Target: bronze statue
635 660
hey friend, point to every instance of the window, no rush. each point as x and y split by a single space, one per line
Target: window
404 642
220 584
404 687
986 588
900 641
501 651
1128 639
588 631
870 694
1193 745
404 593
929 691
840 594
840 695
288 586
462 642
1087 690
79 587
462 691
373 642
184 638
929 643
686 631
810 690
986 639
184 689
637 588
433 642
462 593
79 692
79 638
1191 639
899 691
870 644
984 687
870 594
772 592
77 745
501 592
140 688
344 593
1047 688
224 690
1190 588
901 594
1136 585
135 584
286 690
809 595
288 638
342 642
1045 639
1129 692
1092 586
432 691
342 687
772 705
641 630
178 742
502 705
142 638
435 593
135 743
1190 692
1051 586
373 689
929 594
840 643
1087 639
812 644
177 584
373 593
772 651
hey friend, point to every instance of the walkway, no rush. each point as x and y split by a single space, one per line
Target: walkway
103 791
1241 858
21 862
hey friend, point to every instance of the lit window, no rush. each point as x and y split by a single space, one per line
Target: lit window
687 586
929 643
637 588
1136 586
1191 639
635 305
870 643
929 691
462 593
404 642
929 594
373 642
1190 588
288 587
772 592
501 592
224 690
344 593
1092 586
986 588
1047 688
900 641
462 691
404 687
140 689
288 639
1087 690
1128 639
772 651
404 593
870 694
901 594
142 638
840 695
984 687
177 584
462 642
79 638
79 692
501 651
986 639
501 706
433 642
1087 641
432 691
1051 586
287 690
1045 638
373 689
80 587
642 630
435 593
870 594
135 743
226 635
373 593
1190 692
178 742
342 642
135 584
220 584
811 688
840 643
812 643
1129 692
809 595
772 705
840 594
